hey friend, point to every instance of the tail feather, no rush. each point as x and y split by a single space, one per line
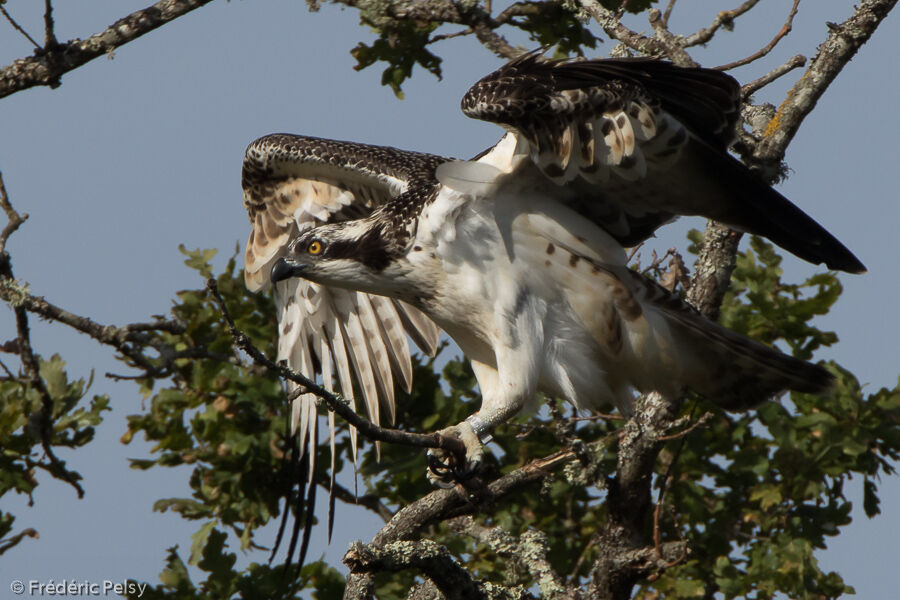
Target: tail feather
747 203
732 370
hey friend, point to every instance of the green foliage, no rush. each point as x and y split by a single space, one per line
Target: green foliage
756 494
222 419
402 45
560 25
25 422
256 582
775 310
404 40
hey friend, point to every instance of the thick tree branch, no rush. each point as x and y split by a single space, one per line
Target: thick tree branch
430 558
54 60
629 499
530 550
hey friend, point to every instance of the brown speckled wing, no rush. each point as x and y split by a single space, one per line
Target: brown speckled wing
292 183
637 142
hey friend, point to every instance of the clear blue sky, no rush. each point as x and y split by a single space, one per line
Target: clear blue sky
134 155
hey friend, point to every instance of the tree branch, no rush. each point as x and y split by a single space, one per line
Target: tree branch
18 27
795 62
430 558
530 550
723 19
51 62
49 34
785 29
840 46
30 362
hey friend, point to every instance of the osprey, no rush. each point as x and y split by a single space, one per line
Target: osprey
518 254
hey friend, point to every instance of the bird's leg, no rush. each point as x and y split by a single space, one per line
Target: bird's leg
504 390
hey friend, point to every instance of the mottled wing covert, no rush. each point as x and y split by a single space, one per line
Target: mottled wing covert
292 183
636 142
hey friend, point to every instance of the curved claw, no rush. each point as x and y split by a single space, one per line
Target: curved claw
444 470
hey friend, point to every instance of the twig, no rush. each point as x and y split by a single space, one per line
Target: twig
333 402
610 24
785 29
46 68
30 362
49 35
699 423
795 62
14 219
723 19
657 543
18 27
668 12
674 46
449 36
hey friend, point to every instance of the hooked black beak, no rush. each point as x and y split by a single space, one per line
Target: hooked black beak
282 270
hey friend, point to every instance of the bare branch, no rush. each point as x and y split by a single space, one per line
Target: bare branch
785 29
14 219
715 263
668 12
795 62
723 19
30 363
49 35
18 27
494 42
674 45
46 67
840 46
613 27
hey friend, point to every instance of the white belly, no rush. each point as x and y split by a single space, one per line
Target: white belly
496 264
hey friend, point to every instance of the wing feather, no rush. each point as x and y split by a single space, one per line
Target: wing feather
394 336
291 184
649 137
378 352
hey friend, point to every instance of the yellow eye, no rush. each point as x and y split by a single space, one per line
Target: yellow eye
315 247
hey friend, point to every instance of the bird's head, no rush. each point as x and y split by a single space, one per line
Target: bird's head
352 254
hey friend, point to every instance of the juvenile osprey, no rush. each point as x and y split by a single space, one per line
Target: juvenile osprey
518 254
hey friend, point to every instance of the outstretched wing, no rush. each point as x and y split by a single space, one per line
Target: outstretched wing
292 183
636 142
